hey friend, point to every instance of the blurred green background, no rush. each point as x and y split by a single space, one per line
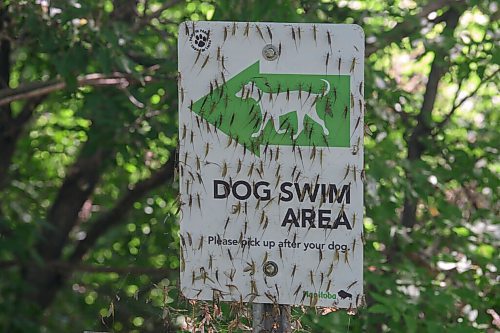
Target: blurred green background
88 198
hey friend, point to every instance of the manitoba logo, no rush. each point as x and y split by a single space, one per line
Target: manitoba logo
200 40
321 294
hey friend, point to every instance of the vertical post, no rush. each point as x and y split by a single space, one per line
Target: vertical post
268 319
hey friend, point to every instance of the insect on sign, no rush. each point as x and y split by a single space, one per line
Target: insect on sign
271 162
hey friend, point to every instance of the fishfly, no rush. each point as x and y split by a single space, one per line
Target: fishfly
346 257
309 92
184 130
198 199
251 267
351 285
222 63
224 169
250 170
266 256
328 107
313 301
278 170
327 61
353 65
330 270
205 62
181 92
269 32
247 28
207 148
223 77
210 261
329 38
297 290
238 168
260 32
303 297
253 286
357 124
197 57
200 246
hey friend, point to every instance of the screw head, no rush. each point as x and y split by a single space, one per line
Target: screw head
270 268
270 52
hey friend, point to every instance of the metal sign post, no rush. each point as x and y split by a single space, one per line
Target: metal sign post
267 319
271 164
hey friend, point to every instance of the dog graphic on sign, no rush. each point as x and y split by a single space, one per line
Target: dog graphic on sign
274 105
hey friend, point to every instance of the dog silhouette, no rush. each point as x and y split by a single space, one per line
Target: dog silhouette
273 105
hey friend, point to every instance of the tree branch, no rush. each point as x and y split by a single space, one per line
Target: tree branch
37 89
423 129
10 131
410 24
144 20
120 210
456 105
80 181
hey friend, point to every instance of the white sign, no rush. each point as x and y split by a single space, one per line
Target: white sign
271 162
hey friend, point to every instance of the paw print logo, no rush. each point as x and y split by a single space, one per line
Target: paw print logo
200 40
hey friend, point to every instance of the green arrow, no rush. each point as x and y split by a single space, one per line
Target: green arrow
240 117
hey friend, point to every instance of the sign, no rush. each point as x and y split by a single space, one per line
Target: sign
271 162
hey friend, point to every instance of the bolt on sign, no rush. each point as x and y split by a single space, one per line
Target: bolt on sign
271 162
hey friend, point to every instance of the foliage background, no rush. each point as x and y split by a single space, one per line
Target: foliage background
88 130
